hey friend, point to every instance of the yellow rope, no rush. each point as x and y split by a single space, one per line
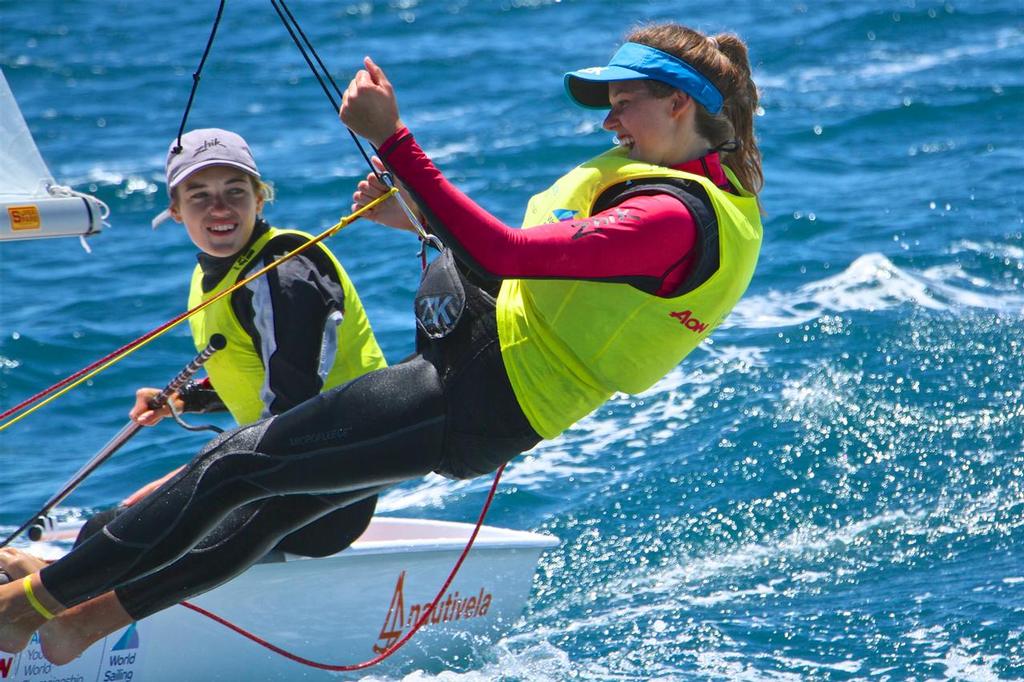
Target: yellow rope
347 220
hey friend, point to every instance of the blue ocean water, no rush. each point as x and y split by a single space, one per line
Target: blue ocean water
829 490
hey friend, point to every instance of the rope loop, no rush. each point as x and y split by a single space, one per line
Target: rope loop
424 617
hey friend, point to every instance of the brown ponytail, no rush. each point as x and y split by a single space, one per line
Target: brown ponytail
724 61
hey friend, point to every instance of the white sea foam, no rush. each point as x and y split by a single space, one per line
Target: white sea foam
539 661
965 662
686 580
430 491
872 282
997 249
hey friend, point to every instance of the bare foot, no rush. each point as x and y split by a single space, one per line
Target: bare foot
64 638
18 620
17 564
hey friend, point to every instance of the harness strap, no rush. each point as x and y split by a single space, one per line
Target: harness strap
696 200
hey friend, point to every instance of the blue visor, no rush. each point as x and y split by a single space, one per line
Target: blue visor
633 61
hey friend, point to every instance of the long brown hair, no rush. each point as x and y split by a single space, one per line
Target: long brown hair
724 61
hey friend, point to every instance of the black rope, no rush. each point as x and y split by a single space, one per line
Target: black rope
196 76
335 104
319 61
291 24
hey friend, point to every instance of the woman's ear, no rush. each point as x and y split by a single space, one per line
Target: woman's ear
680 102
175 213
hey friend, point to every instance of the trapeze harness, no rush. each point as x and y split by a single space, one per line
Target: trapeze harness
491 376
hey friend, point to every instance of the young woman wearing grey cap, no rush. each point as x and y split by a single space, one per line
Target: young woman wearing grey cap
630 261
299 330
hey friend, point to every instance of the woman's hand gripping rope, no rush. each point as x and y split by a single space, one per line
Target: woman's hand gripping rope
370 109
391 213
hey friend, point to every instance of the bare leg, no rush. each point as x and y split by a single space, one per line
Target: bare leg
18 618
64 638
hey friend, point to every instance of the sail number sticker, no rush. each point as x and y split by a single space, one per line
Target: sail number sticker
24 217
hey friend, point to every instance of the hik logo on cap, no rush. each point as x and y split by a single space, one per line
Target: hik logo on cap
208 144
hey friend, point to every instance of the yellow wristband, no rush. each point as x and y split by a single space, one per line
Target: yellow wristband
31 596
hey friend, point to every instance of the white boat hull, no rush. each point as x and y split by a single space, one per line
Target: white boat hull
342 609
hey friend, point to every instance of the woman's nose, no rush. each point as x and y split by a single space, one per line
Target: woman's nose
610 120
218 203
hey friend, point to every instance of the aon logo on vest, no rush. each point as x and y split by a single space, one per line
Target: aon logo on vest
687 319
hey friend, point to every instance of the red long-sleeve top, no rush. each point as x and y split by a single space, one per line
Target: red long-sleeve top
643 238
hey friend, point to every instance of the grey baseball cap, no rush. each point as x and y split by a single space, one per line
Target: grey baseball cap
207 147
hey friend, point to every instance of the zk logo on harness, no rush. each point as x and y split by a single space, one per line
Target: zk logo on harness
437 312
687 319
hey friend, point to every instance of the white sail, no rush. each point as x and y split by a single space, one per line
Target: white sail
32 205
23 173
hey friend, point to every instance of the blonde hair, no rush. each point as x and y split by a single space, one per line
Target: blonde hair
722 59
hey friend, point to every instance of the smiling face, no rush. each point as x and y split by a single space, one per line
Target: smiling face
654 129
218 206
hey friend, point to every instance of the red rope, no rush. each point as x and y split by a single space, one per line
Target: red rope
393 648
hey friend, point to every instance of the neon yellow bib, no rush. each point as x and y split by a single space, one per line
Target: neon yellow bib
236 372
568 345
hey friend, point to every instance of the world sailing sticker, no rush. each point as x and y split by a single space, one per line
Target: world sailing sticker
120 662
96 664
24 217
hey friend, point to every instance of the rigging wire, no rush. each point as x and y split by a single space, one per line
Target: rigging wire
320 72
197 75
292 26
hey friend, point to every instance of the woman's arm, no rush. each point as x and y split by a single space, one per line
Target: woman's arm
645 239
